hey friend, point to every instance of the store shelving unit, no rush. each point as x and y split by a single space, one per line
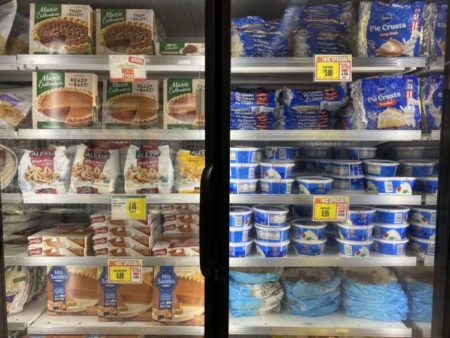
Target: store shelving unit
422 329
31 312
8 62
11 198
332 325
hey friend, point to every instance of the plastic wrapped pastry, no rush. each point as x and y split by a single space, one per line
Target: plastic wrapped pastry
7 14
431 95
8 161
15 104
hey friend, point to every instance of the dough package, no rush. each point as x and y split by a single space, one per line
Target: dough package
189 168
15 104
431 98
7 14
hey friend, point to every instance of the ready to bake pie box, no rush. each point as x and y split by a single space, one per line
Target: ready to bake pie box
180 48
127 31
72 290
61 29
180 102
178 295
60 242
130 104
64 100
125 302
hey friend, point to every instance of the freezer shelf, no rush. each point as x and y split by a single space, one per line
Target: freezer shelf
20 321
430 199
8 62
90 325
423 329
335 324
11 198
355 198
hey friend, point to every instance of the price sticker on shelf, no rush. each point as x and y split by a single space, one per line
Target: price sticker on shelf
127 68
330 208
332 68
128 207
125 271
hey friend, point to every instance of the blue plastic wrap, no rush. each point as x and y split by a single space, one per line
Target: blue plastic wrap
255 278
420 300
440 29
432 101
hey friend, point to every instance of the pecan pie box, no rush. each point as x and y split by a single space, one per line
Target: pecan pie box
61 29
72 290
127 31
181 48
178 295
125 302
130 104
180 102
64 100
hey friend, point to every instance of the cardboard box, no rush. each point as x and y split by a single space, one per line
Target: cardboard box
61 29
64 100
60 242
125 302
176 247
181 48
127 31
130 104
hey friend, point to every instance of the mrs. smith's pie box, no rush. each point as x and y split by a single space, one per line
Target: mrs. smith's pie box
178 295
130 104
127 31
180 103
125 302
61 29
60 242
72 290
64 100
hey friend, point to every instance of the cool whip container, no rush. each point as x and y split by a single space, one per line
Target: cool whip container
271 249
276 186
243 186
423 231
277 170
360 215
243 171
381 168
307 230
423 215
422 246
354 153
240 249
393 248
245 155
390 185
240 216
272 216
355 233
390 232
239 234
417 168
354 248
426 185
350 183
309 248
347 168
313 185
272 234
391 215
281 153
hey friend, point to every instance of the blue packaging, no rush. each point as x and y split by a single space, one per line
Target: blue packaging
245 155
355 233
423 231
426 185
347 168
354 153
276 186
270 249
270 215
354 248
314 185
243 186
394 248
267 277
272 234
277 170
422 246
417 168
433 88
239 234
240 249
348 182
323 165
392 29
309 248
360 215
287 154
423 215
386 102
380 168
305 230
390 232
391 215
314 152
296 120
440 29
390 185
245 171
240 216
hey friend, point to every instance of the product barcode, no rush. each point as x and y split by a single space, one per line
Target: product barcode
399 218
132 207
348 250
238 222
328 71
400 250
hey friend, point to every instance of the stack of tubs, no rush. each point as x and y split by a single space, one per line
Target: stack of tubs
314 161
390 230
240 227
424 172
308 237
355 235
244 169
277 170
422 230
272 230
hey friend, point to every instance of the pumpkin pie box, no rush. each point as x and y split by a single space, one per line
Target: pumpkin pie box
127 31
61 29
176 247
130 104
64 100
178 295
180 103
72 290
125 302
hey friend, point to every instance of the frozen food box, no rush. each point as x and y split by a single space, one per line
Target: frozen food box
60 242
125 302
178 295
176 247
181 48
64 100
61 29
72 290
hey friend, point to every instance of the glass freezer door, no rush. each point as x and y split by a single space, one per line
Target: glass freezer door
334 184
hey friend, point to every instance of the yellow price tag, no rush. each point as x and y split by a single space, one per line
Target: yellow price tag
330 208
125 271
332 68
136 208
125 207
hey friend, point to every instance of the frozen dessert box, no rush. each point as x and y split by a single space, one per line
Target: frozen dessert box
60 242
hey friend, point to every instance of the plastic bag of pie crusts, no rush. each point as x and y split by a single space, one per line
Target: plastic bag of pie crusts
148 170
95 170
44 171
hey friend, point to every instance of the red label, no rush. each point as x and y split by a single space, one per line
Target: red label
43 158
138 61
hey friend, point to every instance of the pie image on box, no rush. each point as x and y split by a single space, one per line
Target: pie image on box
127 31
183 107
61 29
64 100
133 105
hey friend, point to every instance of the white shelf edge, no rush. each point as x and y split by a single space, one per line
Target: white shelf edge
423 329
429 199
11 198
20 321
8 62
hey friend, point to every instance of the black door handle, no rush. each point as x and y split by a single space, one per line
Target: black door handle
206 206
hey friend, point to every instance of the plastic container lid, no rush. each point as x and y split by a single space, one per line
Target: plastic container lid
263 227
271 209
307 224
240 210
418 162
238 229
344 241
424 208
244 165
382 163
314 179
421 240
272 244
390 178
393 209
429 226
234 244
361 209
243 180
392 226
362 227
268 180
347 162
244 149
402 241
319 241
343 177
430 178
278 164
